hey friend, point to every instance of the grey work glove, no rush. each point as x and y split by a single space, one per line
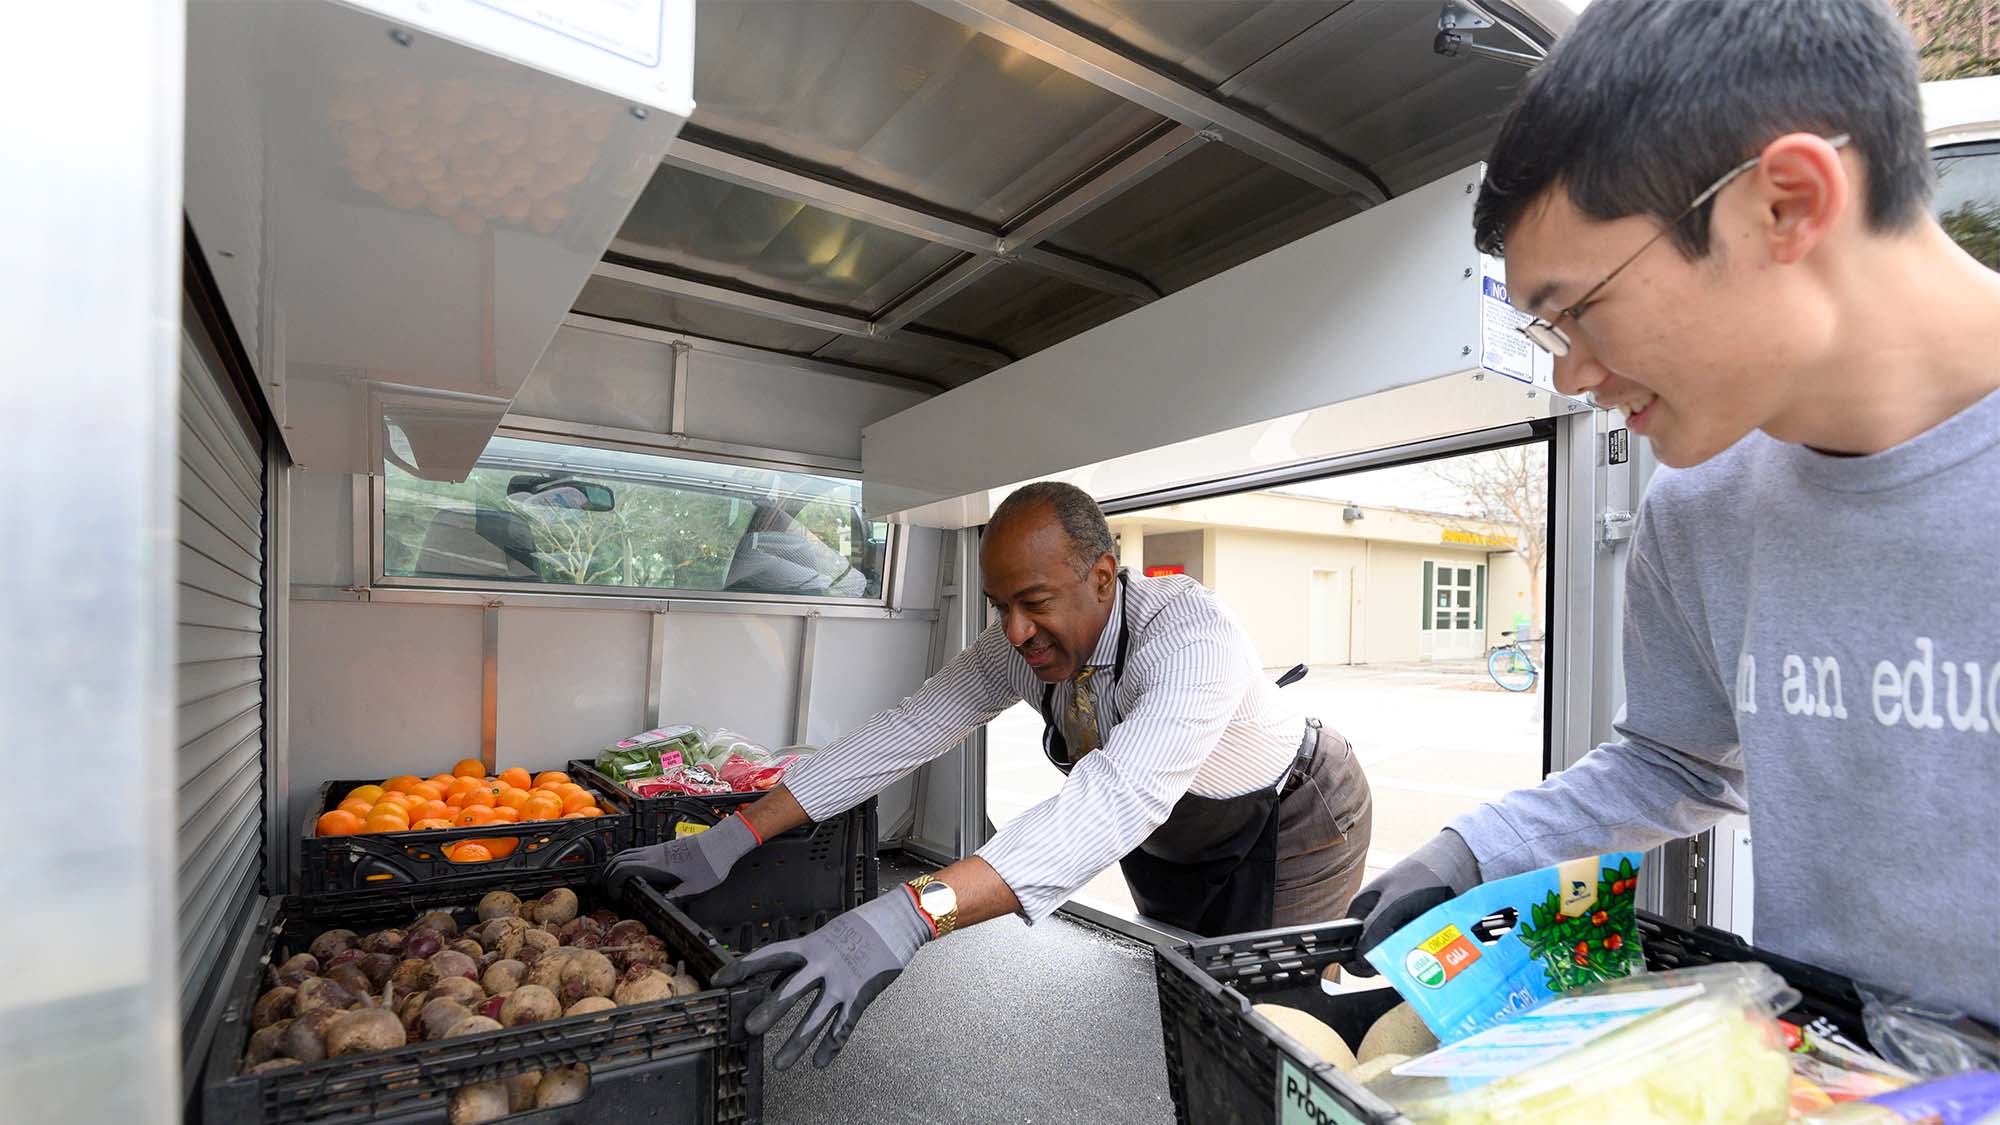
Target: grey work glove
1438 872
848 961
686 866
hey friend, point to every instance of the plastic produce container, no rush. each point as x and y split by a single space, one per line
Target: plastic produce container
684 1061
790 886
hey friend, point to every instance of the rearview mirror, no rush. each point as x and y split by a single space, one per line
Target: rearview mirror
562 493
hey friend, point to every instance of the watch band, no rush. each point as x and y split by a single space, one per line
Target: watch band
942 924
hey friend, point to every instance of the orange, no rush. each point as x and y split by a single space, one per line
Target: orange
442 780
483 797
466 784
431 810
517 777
576 800
401 782
500 846
473 814
379 821
357 806
368 793
588 810
339 822
457 800
505 815
428 790
469 767
547 776
429 823
470 851
511 798
541 810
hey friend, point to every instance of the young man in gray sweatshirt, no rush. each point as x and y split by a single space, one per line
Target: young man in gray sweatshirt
1720 213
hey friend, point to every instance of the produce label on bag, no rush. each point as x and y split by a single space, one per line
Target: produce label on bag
1554 1029
1507 946
1304 1100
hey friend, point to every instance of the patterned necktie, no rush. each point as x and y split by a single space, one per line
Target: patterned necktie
1082 715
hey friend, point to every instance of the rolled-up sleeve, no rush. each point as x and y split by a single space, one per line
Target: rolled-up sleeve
965 693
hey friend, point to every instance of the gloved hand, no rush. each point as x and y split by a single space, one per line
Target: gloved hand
848 961
1438 872
686 866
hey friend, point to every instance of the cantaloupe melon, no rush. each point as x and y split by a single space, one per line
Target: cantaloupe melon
1313 1035
1400 1031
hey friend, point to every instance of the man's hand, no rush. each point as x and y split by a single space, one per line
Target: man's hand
1438 872
848 962
686 866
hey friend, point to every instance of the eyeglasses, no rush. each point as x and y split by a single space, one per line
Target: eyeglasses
1547 336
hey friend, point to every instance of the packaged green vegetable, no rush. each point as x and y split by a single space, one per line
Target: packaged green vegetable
1508 946
651 753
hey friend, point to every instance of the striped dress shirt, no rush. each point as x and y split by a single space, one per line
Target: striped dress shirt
1194 712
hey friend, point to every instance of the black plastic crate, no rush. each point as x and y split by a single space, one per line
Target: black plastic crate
371 861
1228 1066
685 1061
788 887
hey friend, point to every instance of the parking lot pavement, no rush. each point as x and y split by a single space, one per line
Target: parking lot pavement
1436 740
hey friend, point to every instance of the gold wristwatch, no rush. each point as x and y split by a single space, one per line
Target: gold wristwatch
938 902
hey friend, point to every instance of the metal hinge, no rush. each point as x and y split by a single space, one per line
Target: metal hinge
1614 527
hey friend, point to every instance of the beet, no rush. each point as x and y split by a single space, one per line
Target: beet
377 967
604 918
370 1029
295 969
320 992
468 947
472 1105
344 957
305 1040
503 976
491 1009
588 973
472 1025
266 1043
499 904
351 978
333 942
565 1085
449 963
385 941
439 922
440 1015
528 1004
464 991
408 976
422 944
642 985
590 1004
627 932
273 1006
556 907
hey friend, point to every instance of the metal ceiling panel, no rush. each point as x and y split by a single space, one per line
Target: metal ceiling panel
888 355
891 95
707 226
1206 43
1023 311
635 305
1215 209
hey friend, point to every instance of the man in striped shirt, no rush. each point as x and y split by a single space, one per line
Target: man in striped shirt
1227 810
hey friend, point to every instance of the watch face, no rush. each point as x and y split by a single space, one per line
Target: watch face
938 899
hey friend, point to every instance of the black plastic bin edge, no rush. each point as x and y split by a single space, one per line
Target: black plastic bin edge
228 1098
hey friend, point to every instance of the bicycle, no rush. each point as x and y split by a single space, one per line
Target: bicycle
1511 665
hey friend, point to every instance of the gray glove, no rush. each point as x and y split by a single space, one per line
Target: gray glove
848 961
686 866
1438 872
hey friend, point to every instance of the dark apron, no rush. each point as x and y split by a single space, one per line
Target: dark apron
1212 867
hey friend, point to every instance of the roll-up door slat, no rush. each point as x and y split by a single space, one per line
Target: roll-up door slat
201 679
223 912
198 534
197 643
199 607
199 792
212 506
204 414
199 716
205 574
202 459
201 822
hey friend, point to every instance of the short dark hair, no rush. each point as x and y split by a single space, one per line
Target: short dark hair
1081 519
1646 102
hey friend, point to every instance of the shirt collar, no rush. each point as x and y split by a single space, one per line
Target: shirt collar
1105 655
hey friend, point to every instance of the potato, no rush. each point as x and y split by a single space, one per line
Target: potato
486 1101
464 991
468 947
371 1029
499 904
1376 1067
556 907
547 970
331 942
1314 1036
447 964
590 1004
388 941
295 969
439 921
273 1006
1400 1031
266 1043
472 1025
642 984
503 976
319 992
529 1004
305 1040
588 973
565 1085
440 1015
408 976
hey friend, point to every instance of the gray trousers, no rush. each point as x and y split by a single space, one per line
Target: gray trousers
1323 832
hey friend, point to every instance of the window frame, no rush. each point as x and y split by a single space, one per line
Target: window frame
370 539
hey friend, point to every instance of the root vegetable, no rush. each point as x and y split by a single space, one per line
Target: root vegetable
351 978
493 1006
344 957
331 942
565 1085
589 973
684 984
521 1090
377 967
471 1105
547 970
556 907
643 984
408 976
493 933
464 991
272 1007
440 1015
447 964
305 1040
271 1065
627 932
422 945
499 904
468 947
411 1008
388 941
295 969
1313 1035
529 1004
503 976
1400 1031
319 992
604 918
472 1025
439 922
577 929
534 944
266 1043
371 1029
590 1004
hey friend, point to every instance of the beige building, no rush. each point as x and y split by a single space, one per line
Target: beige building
1325 582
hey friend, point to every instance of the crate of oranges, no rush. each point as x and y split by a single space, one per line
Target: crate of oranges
462 825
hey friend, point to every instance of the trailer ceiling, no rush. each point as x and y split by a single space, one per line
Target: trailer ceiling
935 188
